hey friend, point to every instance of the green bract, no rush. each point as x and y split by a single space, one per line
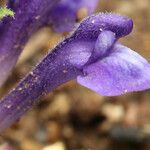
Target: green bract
5 12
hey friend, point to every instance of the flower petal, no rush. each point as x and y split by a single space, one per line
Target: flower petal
64 15
91 27
104 43
122 71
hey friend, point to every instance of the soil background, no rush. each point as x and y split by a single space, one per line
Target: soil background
75 118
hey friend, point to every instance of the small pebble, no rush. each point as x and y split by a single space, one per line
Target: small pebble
55 146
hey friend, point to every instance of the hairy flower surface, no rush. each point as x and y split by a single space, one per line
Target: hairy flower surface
30 15
93 56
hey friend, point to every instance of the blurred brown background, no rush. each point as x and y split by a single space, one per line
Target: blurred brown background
75 118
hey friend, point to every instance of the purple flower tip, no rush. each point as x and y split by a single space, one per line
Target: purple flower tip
91 27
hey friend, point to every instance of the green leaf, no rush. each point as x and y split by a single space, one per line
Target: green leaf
5 12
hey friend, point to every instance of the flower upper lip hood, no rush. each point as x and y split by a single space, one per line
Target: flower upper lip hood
92 26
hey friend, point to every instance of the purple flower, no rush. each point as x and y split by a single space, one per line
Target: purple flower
93 56
64 15
30 15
